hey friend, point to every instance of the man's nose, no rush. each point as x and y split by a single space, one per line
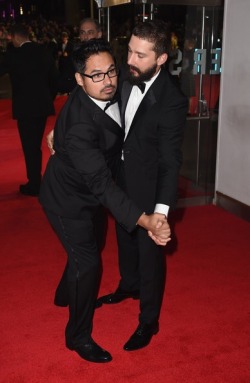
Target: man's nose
107 79
129 60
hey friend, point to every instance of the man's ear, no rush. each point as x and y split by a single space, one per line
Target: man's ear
99 34
79 79
162 59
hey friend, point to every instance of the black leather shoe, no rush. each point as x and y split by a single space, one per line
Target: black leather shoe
118 296
141 337
91 352
27 189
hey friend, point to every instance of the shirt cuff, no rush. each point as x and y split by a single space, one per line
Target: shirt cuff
161 209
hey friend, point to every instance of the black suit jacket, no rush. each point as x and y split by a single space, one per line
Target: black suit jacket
152 149
33 78
79 177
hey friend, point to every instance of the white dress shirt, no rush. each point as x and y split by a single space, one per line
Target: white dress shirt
113 110
135 98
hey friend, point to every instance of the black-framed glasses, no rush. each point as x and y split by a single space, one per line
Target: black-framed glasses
97 77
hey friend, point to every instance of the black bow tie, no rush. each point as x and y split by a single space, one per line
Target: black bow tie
142 86
111 102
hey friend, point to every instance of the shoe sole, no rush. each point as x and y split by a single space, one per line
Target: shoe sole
71 348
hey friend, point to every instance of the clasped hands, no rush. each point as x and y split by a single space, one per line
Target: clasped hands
157 226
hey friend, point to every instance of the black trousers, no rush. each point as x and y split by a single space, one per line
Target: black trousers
100 221
31 132
83 274
142 266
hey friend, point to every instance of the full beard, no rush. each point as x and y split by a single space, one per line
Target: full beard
142 76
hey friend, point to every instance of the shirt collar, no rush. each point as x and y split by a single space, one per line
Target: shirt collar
150 82
100 103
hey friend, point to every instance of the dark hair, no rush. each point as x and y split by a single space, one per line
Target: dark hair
87 49
20 30
65 34
156 32
90 20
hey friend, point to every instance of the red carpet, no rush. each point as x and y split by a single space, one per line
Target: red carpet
204 326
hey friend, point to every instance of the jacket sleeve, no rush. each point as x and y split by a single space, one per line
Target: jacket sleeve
170 135
82 144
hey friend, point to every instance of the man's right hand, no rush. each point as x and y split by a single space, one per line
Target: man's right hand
50 141
157 226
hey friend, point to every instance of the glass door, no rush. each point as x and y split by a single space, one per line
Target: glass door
197 62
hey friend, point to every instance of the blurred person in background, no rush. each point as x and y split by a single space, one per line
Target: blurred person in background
88 29
65 65
51 44
33 77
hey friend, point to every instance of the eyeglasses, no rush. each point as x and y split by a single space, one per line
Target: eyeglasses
97 77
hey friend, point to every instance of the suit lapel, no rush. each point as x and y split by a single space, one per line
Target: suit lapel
105 121
148 101
125 93
101 118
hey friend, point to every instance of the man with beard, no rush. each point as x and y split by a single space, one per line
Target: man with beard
78 180
153 112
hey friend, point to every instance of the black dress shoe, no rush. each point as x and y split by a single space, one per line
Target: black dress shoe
29 190
141 337
118 296
91 352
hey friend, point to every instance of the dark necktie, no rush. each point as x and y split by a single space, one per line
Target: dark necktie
142 86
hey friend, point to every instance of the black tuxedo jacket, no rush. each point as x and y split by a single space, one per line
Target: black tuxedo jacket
79 176
33 78
152 149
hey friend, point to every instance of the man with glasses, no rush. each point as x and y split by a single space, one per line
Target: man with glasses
79 179
88 29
